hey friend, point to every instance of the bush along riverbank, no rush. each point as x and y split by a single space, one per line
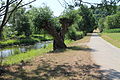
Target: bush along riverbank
24 41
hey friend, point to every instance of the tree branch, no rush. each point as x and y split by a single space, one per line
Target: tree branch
12 12
3 13
4 18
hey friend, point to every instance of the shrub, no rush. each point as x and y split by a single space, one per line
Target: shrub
73 34
112 21
101 24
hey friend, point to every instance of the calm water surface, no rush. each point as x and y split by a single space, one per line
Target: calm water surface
21 49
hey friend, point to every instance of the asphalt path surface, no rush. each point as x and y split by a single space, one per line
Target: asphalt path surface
106 55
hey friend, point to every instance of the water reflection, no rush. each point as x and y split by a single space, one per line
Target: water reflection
21 49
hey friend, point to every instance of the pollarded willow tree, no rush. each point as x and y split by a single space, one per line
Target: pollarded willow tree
45 20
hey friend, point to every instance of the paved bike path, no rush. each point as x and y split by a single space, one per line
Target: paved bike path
106 55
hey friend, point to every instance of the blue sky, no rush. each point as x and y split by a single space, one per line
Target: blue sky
55 5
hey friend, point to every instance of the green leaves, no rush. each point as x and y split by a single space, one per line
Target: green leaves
88 20
44 15
113 21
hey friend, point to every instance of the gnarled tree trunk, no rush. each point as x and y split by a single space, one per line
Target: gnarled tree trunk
1 35
58 42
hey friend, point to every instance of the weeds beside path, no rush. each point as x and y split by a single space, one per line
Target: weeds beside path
73 63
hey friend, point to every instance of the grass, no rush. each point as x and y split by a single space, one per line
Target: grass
113 38
42 37
26 56
117 30
29 55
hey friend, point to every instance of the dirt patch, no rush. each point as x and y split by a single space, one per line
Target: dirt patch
73 63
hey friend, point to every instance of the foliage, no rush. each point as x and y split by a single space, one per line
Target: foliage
9 32
74 34
75 31
20 22
45 14
113 21
32 13
22 40
6 11
88 21
101 24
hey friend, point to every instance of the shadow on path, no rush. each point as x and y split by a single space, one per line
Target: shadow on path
111 74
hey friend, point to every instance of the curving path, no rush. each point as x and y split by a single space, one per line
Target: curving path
106 55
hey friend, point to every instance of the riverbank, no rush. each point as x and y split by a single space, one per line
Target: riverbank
24 41
14 59
73 63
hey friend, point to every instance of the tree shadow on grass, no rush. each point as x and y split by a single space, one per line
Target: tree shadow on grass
57 51
79 48
47 71
72 48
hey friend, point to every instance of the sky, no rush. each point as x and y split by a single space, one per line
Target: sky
55 6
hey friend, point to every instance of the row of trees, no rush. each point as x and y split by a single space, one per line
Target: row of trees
107 14
109 21
36 20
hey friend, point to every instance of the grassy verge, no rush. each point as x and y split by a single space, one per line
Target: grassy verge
30 54
117 30
113 38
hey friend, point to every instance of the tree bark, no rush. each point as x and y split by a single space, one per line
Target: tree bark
58 43
1 35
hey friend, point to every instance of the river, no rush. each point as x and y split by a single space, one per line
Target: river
21 49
